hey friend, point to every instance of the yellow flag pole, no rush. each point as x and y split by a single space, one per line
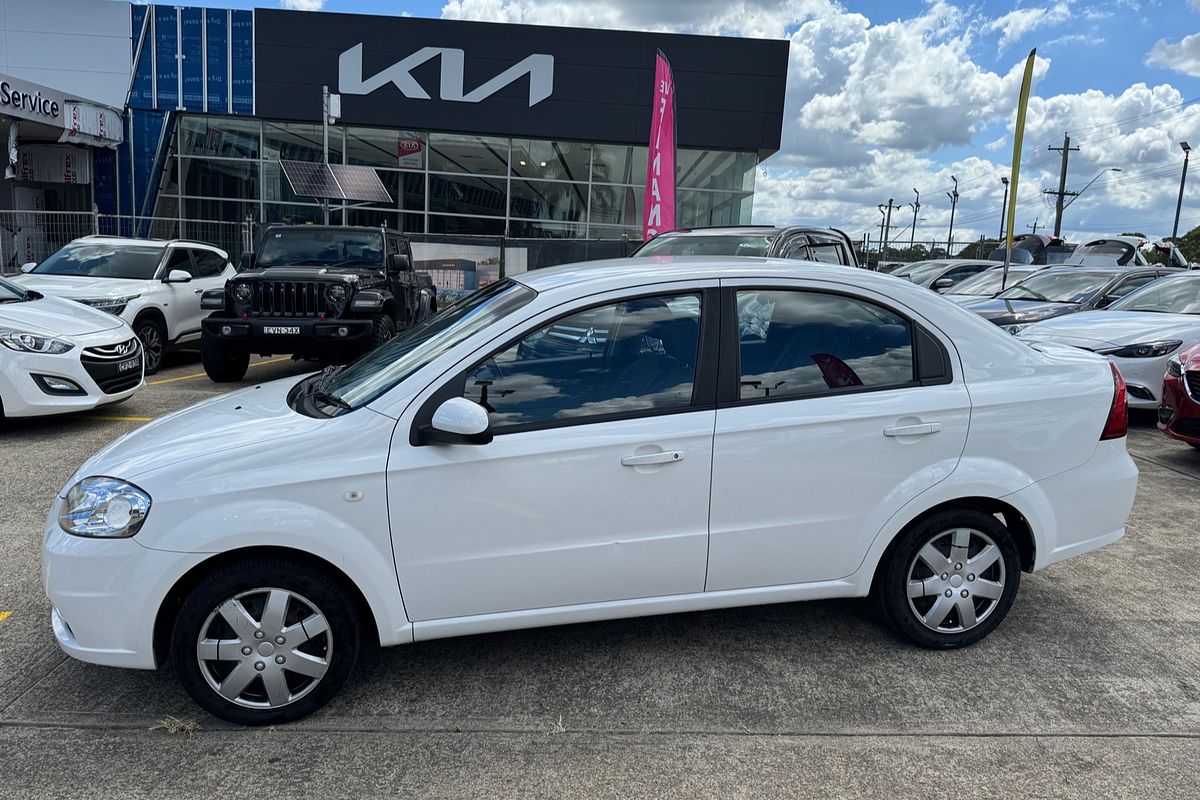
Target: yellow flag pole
1018 137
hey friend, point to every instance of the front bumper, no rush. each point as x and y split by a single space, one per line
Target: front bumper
101 380
106 594
1179 414
1144 379
263 335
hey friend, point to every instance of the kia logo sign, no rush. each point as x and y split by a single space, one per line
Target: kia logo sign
539 67
408 146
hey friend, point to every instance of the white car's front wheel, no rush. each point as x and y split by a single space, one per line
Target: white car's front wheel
951 579
153 337
265 641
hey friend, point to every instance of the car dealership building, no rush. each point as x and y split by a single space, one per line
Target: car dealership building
474 128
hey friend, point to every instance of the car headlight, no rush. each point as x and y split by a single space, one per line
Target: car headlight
241 292
1145 349
336 293
105 508
33 343
113 305
1015 329
1174 367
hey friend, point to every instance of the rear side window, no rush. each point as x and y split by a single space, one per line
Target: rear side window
828 254
208 264
804 343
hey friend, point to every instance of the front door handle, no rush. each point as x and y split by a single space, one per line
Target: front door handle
924 429
665 457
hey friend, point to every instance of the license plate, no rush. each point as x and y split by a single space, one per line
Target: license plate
282 329
131 364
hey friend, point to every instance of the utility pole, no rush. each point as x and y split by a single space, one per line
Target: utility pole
1187 151
1034 227
1003 208
881 220
1062 183
887 227
916 207
953 202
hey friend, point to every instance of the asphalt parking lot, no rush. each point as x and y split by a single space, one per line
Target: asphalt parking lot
1091 688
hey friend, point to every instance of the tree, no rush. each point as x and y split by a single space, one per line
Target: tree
1189 244
979 249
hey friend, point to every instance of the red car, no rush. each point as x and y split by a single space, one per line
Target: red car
1179 414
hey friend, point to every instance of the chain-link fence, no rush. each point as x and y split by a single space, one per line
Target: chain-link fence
31 236
872 255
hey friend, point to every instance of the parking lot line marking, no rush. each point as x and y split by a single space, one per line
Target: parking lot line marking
205 374
5 615
119 419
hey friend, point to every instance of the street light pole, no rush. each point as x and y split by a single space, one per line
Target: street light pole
1003 207
953 202
1187 151
916 207
1075 195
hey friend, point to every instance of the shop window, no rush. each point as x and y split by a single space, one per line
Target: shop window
478 226
529 229
219 137
616 205
467 195
546 200
561 161
374 147
616 164
219 178
712 169
299 142
477 155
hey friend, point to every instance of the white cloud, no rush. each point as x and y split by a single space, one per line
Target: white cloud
1015 24
1182 56
302 5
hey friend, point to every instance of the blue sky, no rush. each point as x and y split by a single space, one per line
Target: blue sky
886 96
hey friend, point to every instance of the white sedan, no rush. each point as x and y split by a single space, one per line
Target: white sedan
1140 332
57 356
854 434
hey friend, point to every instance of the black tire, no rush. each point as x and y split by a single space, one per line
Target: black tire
153 336
383 328
1001 577
338 647
222 363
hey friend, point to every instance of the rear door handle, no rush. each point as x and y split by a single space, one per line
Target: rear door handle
665 457
924 429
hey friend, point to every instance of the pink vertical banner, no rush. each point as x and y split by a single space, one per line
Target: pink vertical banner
658 210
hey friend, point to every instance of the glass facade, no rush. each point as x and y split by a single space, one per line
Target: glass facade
227 168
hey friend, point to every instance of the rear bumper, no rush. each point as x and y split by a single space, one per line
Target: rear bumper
311 336
1083 508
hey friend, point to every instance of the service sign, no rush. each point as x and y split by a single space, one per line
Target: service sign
31 101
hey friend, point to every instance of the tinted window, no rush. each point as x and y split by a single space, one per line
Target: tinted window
809 343
208 264
1177 295
715 245
795 247
320 248
637 355
1128 286
180 258
827 254
97 260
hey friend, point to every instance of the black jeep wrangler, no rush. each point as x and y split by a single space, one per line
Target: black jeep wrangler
317 292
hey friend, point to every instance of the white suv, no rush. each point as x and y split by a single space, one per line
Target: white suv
154 285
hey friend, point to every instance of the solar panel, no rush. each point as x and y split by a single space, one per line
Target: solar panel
308 179
360 184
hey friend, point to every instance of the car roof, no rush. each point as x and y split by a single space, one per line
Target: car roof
659 269
159 243
741 230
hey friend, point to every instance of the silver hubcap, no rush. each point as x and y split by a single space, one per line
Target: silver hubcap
264 648
955 580
151 345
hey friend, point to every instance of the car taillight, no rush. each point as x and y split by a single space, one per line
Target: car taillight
1117 424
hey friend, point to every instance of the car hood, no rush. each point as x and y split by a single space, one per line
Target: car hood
52 316
249 418
283 272
82 287
1098 329
1019 312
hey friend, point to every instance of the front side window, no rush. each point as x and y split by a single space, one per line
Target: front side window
1175 295
632 356
99 260
803 343
208 264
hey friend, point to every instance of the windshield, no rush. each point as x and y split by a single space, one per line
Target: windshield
1177 295
922 270
714 245
1123 252
386 366
320 247
11 293
1058 287
986 284
99 260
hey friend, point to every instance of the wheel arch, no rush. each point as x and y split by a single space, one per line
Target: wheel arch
1009 515
170 604
155 313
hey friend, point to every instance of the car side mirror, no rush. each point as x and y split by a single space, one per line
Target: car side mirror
459 421
178 276
28 266
942 283
399 262
246 262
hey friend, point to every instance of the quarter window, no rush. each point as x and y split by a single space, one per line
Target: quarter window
799 343
633 356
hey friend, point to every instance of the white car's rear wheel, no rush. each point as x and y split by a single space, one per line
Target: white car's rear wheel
951 579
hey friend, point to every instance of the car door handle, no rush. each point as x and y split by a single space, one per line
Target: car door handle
665 457
924 429
198 291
